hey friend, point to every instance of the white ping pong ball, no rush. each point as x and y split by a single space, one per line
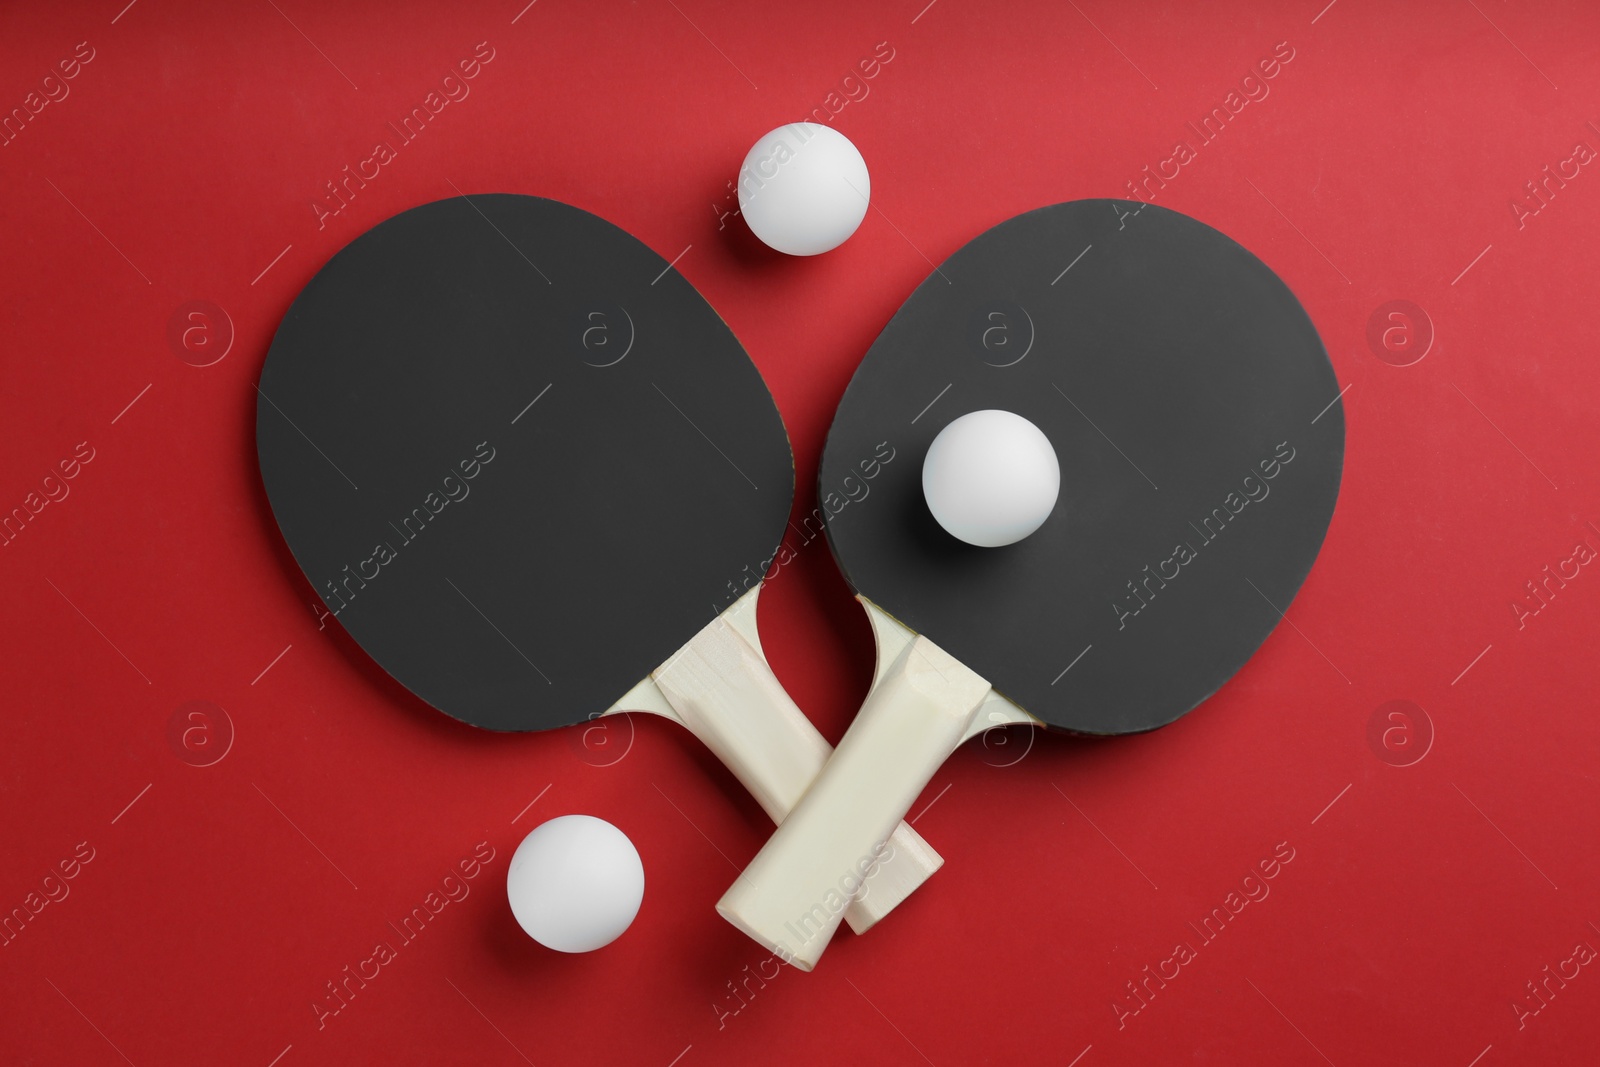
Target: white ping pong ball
575 883
803 189
991 478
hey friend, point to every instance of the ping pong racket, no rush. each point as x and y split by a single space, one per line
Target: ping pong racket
1192 408
537 479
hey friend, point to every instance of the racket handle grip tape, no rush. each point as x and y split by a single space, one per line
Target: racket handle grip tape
790 896
723 690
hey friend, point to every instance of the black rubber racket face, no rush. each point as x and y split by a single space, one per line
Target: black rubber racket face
1191 406
518 456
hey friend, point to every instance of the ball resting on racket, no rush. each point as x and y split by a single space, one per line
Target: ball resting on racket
460 422
991 478
1198 408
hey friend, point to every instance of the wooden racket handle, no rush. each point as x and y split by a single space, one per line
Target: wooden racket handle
721 687
790 898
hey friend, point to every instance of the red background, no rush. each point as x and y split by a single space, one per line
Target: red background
183 166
